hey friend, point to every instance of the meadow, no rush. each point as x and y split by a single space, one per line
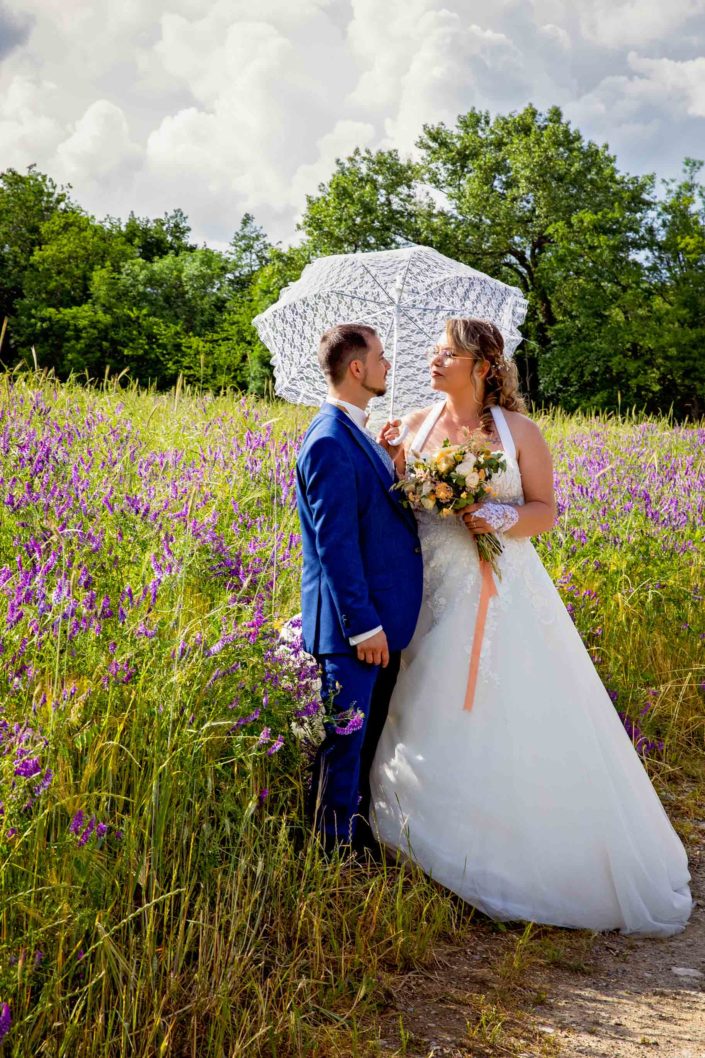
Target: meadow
158 892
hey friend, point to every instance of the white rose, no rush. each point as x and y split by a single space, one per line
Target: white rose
472 478
467 466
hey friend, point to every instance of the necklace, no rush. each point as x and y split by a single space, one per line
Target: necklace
460 425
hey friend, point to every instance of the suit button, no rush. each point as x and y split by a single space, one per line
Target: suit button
417 550
345 619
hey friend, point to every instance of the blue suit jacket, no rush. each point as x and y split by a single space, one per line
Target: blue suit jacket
362 563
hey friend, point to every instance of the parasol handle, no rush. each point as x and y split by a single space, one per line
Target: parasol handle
402 434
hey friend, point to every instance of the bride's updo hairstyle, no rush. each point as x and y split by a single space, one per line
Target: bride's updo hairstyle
483 341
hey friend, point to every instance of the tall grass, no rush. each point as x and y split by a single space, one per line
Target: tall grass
160 895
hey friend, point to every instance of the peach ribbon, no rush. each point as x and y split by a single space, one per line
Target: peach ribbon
487 591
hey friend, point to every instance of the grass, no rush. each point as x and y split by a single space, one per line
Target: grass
159 895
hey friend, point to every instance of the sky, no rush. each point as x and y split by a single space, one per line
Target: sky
219 107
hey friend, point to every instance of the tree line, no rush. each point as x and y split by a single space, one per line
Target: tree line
612 266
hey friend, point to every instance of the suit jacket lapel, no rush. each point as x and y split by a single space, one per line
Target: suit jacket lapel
354 431
359 440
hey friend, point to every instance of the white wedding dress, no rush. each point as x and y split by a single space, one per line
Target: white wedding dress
534 805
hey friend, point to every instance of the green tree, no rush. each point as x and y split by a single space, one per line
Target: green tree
529 200
164 313
58 278
157 238
679 292
188 289
27 201
249 250
373 201
526 198
239 357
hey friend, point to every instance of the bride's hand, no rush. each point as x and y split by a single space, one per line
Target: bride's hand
474 521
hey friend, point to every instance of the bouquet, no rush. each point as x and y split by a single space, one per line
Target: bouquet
457 476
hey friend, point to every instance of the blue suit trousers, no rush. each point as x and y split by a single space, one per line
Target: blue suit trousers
339 799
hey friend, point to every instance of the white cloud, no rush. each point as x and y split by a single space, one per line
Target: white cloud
222 106
28 134
616 24
556 35
425 63
99 146
453 69
339 143
629 23
264 111
681 83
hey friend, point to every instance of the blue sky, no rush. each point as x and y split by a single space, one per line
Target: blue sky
224 106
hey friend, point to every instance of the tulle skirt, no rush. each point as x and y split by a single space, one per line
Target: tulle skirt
534 805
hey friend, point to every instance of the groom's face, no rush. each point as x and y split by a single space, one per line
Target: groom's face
374 378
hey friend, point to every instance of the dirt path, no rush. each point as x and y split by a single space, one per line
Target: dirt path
557 993
632 999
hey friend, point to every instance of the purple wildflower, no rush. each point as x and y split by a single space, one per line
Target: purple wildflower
76 822
28 768
87 831
351 724
5 1020
275 746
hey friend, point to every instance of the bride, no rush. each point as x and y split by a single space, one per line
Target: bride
532 804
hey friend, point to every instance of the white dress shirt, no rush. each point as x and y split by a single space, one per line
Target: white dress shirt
359 417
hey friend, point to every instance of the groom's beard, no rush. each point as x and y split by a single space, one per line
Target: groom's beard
375 391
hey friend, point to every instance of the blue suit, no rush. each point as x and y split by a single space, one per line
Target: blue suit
362 567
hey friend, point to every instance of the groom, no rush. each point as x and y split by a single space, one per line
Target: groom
361 582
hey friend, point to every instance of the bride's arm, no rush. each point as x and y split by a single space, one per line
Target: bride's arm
538 513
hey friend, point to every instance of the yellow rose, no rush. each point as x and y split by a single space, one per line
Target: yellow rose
445 461
444 492
446 512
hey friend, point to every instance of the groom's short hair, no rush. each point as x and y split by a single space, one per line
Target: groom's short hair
340 345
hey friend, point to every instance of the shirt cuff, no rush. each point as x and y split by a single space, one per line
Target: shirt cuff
354 640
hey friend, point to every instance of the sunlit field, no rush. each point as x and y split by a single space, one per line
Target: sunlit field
160 895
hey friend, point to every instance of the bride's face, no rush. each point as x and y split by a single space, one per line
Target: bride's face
453 371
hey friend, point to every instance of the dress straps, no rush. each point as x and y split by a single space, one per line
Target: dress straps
505 434
426 426
434 414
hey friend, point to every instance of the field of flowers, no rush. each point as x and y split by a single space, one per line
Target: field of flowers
158 894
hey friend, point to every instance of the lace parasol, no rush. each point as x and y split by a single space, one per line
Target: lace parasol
406 295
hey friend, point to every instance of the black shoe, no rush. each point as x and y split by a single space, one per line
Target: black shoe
369 850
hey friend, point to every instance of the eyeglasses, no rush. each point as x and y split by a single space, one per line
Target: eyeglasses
444 354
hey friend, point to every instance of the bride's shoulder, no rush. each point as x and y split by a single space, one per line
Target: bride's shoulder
527 434
415 417
520 424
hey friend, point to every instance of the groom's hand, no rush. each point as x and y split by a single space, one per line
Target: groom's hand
388 434
374 650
